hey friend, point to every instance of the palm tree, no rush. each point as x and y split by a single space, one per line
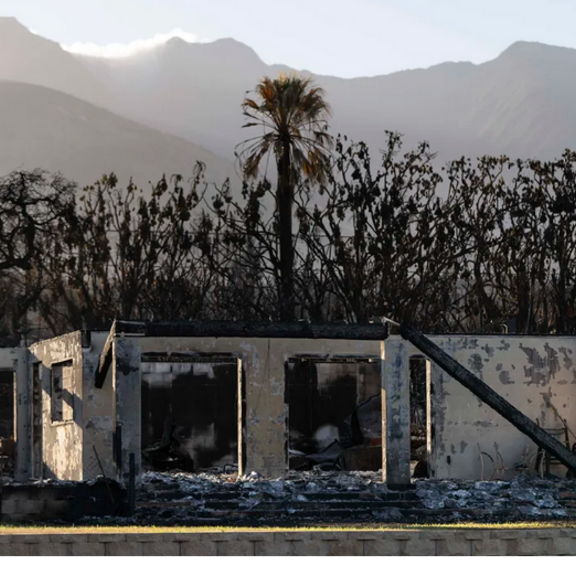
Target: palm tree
293 114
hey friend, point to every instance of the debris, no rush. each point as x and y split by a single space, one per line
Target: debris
316 495
461 494
355 444
530 510
7 447
421 470
169 453
362 458
330 456
493 486
434 504
253 476
365 422
388 515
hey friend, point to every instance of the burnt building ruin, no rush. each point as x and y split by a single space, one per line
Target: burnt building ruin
273 397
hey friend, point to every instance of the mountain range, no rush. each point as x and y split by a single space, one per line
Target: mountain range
161 109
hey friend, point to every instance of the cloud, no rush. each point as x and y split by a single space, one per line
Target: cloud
118 50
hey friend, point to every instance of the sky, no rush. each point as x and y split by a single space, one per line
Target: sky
344 38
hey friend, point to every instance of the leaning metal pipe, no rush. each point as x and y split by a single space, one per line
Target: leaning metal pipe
489 397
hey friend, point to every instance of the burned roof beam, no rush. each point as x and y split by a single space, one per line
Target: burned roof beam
232 329
105 359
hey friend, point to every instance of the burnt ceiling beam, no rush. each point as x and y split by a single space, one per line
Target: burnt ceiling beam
234 329
105 358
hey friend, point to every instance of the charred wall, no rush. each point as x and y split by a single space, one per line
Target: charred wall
61 376
261 410
466 438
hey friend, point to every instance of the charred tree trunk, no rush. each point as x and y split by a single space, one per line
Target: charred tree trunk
284 201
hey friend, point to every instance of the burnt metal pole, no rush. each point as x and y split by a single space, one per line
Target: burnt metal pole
104 476
489 397
132 485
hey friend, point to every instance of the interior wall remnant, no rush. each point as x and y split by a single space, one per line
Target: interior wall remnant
468 440
61 376
99 413
128 398
189 413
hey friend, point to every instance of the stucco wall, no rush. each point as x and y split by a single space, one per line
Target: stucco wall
263 365
527 371
99 413
62 441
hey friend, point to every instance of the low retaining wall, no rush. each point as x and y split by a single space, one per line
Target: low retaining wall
31 503
479 542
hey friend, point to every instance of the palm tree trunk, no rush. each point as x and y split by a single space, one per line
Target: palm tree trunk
284 201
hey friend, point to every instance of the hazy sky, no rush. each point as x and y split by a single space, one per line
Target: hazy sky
339 37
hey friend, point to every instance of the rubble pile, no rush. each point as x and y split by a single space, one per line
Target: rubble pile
318 497
524 498
310 497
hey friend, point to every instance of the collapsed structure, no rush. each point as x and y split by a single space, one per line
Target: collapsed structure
260 397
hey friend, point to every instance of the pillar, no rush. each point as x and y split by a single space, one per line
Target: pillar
396 414
126 365
22 415
266 434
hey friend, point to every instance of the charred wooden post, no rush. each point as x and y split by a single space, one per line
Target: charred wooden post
488 396
105 358
132 486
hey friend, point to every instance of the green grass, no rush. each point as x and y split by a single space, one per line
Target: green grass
14 529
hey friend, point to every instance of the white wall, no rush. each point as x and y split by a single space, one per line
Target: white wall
529 372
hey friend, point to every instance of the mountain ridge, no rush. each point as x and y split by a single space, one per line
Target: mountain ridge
44 128
520 104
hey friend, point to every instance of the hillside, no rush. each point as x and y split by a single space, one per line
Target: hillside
44 128
31 59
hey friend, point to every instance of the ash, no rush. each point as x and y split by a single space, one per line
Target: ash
319 498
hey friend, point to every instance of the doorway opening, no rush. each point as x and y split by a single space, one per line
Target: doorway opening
7 422
334 413
191 413
418 417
